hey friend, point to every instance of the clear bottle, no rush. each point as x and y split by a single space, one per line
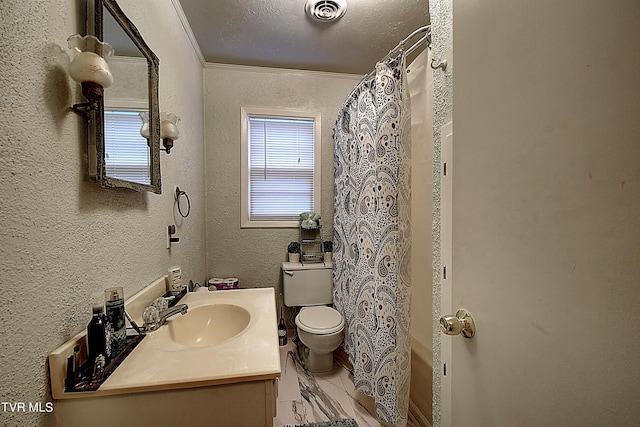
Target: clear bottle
114 301
97 334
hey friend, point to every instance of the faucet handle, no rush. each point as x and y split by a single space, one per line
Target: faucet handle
161 303
151 317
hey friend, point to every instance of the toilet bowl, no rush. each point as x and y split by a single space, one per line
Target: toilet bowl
321 330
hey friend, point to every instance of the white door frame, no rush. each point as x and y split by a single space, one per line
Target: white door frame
446 141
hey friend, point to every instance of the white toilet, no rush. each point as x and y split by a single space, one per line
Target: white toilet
320 328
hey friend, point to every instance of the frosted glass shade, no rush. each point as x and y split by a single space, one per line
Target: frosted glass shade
89 63
144 129
169 126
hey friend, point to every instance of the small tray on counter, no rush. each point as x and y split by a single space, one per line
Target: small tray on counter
177 294
86 383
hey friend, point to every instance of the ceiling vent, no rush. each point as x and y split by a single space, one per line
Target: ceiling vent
325 10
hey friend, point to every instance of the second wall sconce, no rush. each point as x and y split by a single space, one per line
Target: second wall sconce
144 129
168 129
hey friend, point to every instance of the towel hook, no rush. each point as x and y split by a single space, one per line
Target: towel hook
442 64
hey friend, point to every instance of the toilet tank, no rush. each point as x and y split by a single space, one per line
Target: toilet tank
308 284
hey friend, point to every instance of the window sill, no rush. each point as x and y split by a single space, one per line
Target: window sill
270 224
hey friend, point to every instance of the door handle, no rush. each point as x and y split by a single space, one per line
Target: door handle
460 324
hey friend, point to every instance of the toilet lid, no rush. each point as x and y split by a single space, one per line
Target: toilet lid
320 320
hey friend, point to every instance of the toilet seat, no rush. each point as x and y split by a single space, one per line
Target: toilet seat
320 320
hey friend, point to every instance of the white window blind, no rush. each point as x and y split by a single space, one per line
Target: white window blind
281 168
127 154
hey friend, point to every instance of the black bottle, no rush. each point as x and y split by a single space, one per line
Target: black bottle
282 331
97 334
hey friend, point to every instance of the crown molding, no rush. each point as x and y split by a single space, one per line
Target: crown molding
274 70
187 28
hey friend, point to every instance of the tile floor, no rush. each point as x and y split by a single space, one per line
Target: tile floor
306 398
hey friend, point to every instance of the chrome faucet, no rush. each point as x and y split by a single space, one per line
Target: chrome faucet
178 309
154 318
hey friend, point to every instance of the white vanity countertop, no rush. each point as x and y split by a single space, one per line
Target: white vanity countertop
159 363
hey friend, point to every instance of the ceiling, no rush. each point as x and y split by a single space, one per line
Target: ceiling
278 33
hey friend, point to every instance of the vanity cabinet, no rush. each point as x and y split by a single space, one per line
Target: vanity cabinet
163 382
251 403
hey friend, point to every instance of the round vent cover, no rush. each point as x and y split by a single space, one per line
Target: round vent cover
325 10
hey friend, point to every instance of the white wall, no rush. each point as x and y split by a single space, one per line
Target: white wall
441 12
546 211
255 255
62 237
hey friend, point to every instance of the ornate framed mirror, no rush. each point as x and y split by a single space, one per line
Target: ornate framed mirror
123 156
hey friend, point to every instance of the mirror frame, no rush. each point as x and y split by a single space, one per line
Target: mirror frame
96 127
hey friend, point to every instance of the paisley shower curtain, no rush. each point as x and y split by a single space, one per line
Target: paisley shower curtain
371 266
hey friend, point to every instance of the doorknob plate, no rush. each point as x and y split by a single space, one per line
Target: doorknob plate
462 323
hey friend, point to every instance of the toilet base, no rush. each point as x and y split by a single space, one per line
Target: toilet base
317 363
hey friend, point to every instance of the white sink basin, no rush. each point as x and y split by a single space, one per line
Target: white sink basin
207 325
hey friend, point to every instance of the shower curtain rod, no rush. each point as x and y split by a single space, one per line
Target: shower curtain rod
425 29
399 47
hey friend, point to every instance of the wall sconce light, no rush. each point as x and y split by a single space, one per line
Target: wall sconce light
168 130
144 129
89 68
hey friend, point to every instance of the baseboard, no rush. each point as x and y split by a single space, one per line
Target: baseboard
342 359
417 415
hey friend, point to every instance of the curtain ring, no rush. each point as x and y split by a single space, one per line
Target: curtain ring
180 193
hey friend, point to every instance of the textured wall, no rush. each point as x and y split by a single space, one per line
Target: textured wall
62 238
254 255
442 48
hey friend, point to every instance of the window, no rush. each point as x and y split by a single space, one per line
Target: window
280 166
127 153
